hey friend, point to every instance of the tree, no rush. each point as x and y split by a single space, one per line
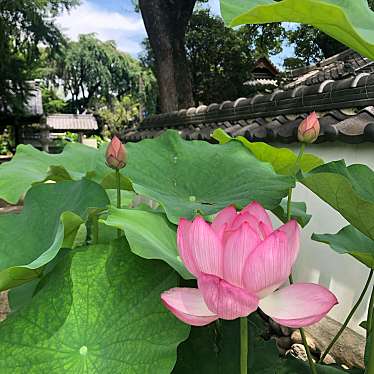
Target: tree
122 113
166 22
312 45
93 72
219 58
24 25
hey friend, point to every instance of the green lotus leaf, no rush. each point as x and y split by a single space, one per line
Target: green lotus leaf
76 162
98 311
350 22
298 212
350 240
349 190
150 235
283 160
31 239
187 177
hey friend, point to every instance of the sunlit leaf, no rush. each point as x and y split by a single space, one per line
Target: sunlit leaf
283 160
349 21
99 311
150 235
31 239
76 162
187 177
349 190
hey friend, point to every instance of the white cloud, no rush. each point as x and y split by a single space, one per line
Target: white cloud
126 30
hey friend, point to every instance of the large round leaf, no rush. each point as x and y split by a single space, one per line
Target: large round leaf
349 21
349 190
77 161
187 177
31 239
150 235
98 312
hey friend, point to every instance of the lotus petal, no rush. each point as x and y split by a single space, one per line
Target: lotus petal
188 305
299 305
227 301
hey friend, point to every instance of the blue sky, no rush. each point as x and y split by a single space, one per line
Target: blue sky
116 20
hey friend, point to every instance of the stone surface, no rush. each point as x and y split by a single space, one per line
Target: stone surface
348 350
329 360
296 338
298 351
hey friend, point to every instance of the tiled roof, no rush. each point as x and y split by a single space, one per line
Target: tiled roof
340 66
345 107
76 122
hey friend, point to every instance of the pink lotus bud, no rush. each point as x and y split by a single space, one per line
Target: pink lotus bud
309 129
116 155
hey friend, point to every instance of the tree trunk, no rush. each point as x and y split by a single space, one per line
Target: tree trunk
166 22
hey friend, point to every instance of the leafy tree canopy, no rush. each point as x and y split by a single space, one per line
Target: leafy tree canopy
24 25
93 72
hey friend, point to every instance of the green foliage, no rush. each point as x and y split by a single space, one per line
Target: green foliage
187 177
99 311
216 349
31 239
6 141
121 113
30 165
349 190
150 235
350 240
283 160
298 212
24 25
97 74
350 22
52 103
220 59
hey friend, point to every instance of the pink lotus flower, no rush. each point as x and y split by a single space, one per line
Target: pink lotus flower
240 262
309 129
116 155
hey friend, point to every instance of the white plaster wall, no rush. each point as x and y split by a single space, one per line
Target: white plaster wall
318 262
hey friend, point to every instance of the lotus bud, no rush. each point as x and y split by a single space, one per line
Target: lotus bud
116 155
309 129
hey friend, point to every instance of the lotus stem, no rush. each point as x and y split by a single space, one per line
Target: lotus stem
299 157
312 366
243 345
289 201
119 204
297 168
350 315
369 321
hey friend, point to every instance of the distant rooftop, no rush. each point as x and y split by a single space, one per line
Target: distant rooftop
72 122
